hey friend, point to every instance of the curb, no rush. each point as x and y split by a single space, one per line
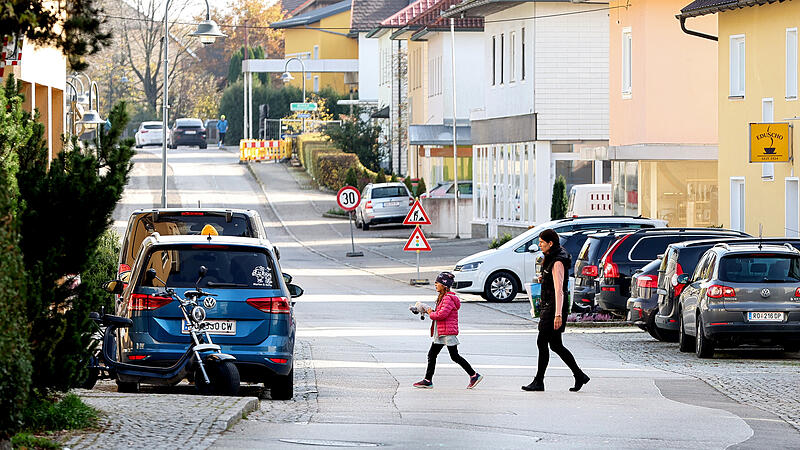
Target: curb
334 216
232 415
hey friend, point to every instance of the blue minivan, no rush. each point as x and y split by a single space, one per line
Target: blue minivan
250 314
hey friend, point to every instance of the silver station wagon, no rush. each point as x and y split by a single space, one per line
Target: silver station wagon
741 294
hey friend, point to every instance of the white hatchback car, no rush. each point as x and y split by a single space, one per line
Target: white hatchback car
149 133
497 275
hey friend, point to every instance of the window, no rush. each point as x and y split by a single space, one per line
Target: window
316 83
627 67
512 58
502 59
494 60
737 204
737 66
792 219
791 63
767 115
522 53
760 268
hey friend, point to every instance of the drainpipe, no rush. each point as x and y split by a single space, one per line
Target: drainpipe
694 33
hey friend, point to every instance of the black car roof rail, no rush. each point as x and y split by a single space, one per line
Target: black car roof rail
678 230
736 240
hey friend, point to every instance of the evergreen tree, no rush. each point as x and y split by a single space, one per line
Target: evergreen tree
407 182
393 179
351 179
380 177
558 209
421 188
67 209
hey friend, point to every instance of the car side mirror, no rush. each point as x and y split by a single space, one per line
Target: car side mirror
287 278
533 248
295 290
683 278
114 287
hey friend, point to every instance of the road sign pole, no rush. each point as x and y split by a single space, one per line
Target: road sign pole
417 264
352 242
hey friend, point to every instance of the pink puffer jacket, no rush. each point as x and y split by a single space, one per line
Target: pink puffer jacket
446 315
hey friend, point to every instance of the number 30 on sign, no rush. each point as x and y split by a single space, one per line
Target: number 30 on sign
348 198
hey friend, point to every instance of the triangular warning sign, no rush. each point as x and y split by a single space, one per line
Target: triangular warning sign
417 242
417 215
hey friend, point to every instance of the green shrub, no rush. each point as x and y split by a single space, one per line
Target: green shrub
331 169
558 209
24 441
380 177
393 179
351 179
497 242
407 182
51 413
421 188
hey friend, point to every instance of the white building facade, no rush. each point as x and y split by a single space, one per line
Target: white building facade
545 108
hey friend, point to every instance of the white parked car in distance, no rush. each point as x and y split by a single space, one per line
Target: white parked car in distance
149 133
497 275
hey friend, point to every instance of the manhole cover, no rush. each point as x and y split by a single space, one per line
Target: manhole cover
329 443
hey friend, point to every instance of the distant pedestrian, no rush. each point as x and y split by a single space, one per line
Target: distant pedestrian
444 330
553 311
222 127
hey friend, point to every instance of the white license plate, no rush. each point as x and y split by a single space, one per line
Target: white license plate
760 316
222 327
578 281
391 204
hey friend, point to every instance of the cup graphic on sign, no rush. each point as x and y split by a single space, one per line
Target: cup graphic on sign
770 150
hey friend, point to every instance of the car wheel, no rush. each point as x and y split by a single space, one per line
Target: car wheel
138 145
651 326
791 347
204 146
358 223
704 346
684 340
501 287
281 387
224 379
128 388
364 224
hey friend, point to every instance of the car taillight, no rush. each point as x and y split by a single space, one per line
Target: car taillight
137 357
718 291
797 292
144 302
124 268
279 360
368 205
192 213
677 288
647 281
272 305
589 271
611 270
143 131
410 201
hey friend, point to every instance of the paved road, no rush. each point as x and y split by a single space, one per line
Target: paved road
359 349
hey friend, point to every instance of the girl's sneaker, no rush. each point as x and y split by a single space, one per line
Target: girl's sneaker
423 384
474 380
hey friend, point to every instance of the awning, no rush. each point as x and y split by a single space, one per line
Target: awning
382 113
439 135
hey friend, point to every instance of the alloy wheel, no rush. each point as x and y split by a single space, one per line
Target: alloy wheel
501 288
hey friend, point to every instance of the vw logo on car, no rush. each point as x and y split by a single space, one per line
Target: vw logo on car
765 292
209 302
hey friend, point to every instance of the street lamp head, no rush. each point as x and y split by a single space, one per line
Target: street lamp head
286 77
208 31
91 117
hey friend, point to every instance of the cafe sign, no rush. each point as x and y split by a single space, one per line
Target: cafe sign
770 142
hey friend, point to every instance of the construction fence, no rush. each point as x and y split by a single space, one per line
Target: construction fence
263 150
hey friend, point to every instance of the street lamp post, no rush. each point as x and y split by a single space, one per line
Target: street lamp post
123 80
287 77
208 31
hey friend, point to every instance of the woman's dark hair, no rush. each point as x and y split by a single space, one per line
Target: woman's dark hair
550 236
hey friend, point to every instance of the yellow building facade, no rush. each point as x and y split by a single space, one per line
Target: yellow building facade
758 83
320 34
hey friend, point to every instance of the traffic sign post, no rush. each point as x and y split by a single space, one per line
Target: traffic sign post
417 242
348 199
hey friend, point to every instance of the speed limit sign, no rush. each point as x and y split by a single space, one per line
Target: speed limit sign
348 198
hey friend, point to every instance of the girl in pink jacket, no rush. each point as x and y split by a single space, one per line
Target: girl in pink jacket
444 330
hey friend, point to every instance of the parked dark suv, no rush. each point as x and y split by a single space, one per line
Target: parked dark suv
741 294
632 251
683 258
644 298
586 267
188 132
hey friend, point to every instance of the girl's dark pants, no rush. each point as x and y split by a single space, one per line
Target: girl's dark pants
551 337
453 350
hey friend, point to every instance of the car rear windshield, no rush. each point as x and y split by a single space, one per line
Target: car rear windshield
594 248
228 267
189 123
154 126
760 268
389 191
184 223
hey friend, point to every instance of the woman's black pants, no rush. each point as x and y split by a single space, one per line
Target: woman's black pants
453 350
552 338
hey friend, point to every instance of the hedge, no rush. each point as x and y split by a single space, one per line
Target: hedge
328 165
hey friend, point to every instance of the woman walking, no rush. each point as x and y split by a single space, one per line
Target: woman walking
444 330
553 312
